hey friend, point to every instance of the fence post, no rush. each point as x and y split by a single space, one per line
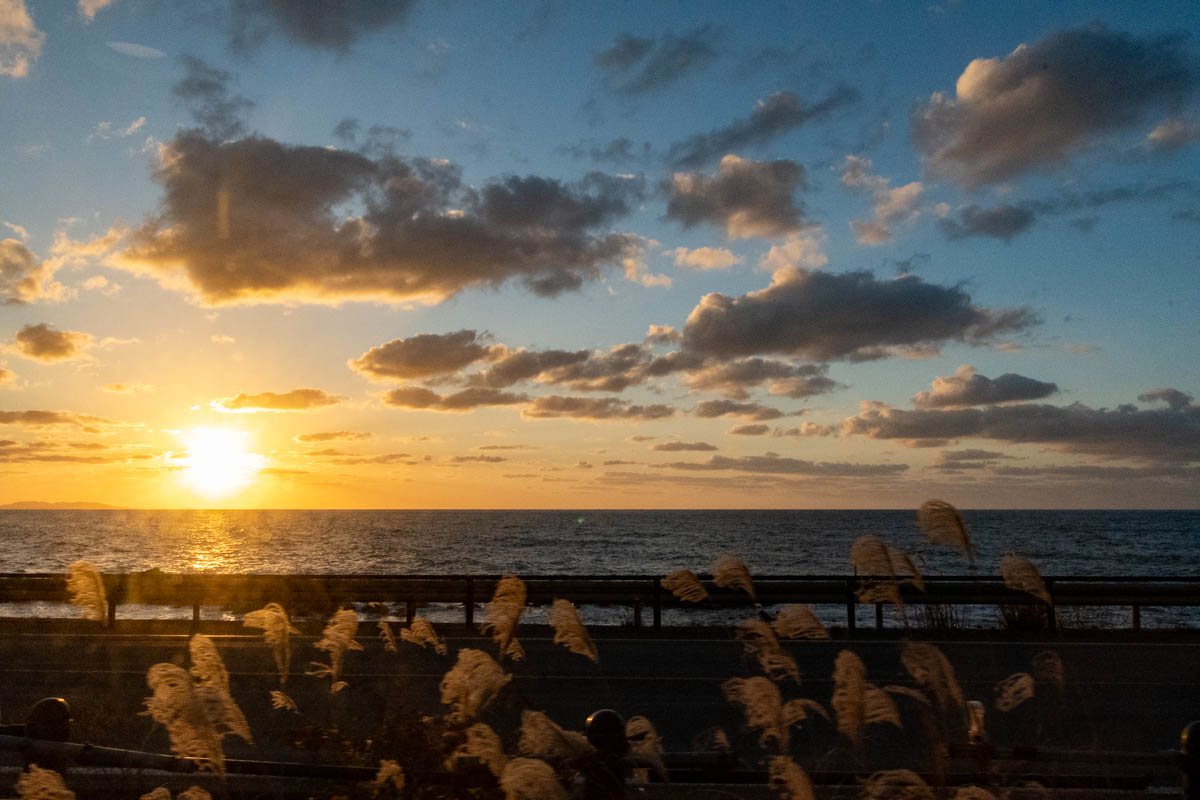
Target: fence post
879 616
637 613
1051 616
469 606
1189 760
851 606
1137 617
657 603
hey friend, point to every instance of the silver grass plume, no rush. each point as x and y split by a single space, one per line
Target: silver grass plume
896 784
277 628
336 639
159 793
42 784
759 641
176 706
763 706
483 745
930 668
857 703
972 793
788 775
542 738
390 772
684 584
1014 690
569 630
86 586
472 683
213 688
531 779
504 612
389 638
193 793
646 746
942 524
279 700
1021 575
880 566
729 571
798 622
420 632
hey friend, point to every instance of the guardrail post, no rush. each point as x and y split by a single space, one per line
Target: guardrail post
410 611
1137 616
879 616
1051 617
1189 761
851 606
115 598
637 613
657 603
469 606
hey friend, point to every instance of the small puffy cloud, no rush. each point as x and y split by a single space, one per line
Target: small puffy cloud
773 116
608 408
824 316
418 397
968 388
807 429
88 8
20 41
479 459
1174 133
7 376
221 338
99 283
662 334
332 436
772 463
45 343
892 205
1175 399
17 229
136 50
1002 222
513 366
746 198
711 409
127 388
295 400
1046 101
421 356
803 250
758 429
971 458
676 447
23 277
705 258
734 378
636 65
334 27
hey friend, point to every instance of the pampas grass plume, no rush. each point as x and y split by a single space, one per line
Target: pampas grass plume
930 668
542 738
798 622
176 706
1020 574
213 688
86 586
472 683
503 614
422 634
942 524
896 784
482 744
569 630
646 745
277 628
788 774
336 639
730 571
531 779
389 638
857 703
972 793
763 706
1014 690
684 584
42 784
193 793
389 772
759 641
279 700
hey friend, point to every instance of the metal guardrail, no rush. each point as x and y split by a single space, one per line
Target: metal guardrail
320 592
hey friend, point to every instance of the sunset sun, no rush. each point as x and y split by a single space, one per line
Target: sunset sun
217 463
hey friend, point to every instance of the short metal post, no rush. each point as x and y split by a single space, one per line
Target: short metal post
1051 616
879 616
637 613
851 606
410 611
1137 617
1189 760
469 606
195 614
657 603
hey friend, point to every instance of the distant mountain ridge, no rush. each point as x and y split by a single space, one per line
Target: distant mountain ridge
34 505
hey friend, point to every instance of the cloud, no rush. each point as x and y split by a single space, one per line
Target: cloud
662 334
253 220
23 277
967 459
205 92
893 205
710 409
7 376
733 378
587 408
772 463
676 447
1175 399
1046 101
513 366
802 250
88 8
807 429
967 388
1126 432
295 400
1174 133
40 419
621 151
127 388
747 198
479 459
421 356
20 41
44 343
705 258
323 26
758 429
773 116
17 229
384 458
418 397
331 436
824 316
136 50
1002 222
659 62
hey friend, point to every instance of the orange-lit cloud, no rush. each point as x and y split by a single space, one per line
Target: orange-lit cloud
329 436
608 408
744 197
44 343
295 400
968 388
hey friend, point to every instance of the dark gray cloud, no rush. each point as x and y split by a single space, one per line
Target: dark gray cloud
1172 134
772 463
381 140
421 356
745 198
773 116
331 436
326 26
676 447
1124 432
47 344
295 400
597 409
758 429
637 65
711 409
824 316
621 151
253 220
1044 102
205 92
1175 399
1002 222
733 378
807 429
514 366
419 397
1091 472
968 388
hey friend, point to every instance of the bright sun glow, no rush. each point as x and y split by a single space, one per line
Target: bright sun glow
218 463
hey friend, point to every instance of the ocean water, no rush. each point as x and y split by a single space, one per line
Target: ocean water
1149 543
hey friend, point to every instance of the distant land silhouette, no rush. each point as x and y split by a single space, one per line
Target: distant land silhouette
35 505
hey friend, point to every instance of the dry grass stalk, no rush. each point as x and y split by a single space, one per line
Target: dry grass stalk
389 772
933 671
482 744
684 584
158 793
759 641
798 622
942 524
42 784
86 586
472 683
788 775
504 612
569 630
972 793
908 691
730 572
1021 575
193 793
336 639
213 689
277 629
761 702
279 700
541 738
389 638
1048 669
896 784
1014 690
646 746
176 705
531 779
857 703
881 567
711 740
800 709
421 633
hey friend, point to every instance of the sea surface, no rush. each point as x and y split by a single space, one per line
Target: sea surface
1150 543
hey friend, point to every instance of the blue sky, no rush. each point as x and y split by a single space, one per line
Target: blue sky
828 208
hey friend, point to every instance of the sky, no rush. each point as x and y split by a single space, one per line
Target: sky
599 255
